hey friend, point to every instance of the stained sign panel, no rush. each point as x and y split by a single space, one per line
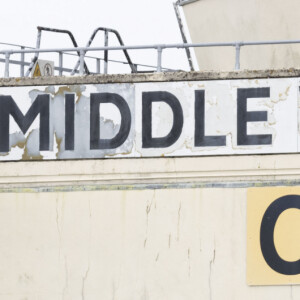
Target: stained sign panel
149 119
273 236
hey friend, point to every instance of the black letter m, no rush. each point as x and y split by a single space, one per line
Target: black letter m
9 107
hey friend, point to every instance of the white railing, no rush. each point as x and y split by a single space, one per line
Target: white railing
158 48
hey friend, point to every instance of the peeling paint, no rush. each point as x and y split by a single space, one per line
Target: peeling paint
220 119
28 154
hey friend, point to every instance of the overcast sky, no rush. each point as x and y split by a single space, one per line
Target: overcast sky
138 21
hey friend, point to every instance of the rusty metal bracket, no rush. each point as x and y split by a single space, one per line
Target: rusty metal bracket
38 44
106 31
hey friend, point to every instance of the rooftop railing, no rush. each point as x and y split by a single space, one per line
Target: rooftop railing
79 68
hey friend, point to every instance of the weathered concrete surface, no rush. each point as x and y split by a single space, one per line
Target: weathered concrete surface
133 244
134 229
155 77
153 173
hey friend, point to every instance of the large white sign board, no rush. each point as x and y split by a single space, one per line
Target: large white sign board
150 119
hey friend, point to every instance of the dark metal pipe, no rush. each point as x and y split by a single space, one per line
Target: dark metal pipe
105 52
133 69
184 39
36 55
70 34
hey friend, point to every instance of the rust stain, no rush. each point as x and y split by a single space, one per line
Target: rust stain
26 155
287 90
78 94
114 154
67 89
20 144
62 89
58 142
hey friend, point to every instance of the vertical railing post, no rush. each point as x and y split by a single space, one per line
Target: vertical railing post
237 55
98 65
105 52
159 57
36 55
60 63
6 72
81 65
22 66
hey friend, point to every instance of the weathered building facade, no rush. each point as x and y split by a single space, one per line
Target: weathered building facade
150 186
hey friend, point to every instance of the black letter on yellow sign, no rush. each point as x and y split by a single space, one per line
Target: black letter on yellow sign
267 235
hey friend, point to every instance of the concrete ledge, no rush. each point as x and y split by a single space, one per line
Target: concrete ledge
207 170
146 77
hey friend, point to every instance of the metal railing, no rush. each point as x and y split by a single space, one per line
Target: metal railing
106 32
60 68
158 48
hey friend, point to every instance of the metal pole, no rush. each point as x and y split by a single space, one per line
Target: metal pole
22 63
81 68
184 39
60 63
36 55
159 55
98 65
70 34
6 72
237 56
105 51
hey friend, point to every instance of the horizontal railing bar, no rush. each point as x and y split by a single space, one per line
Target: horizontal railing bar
17 62
16 45
119 61
155 46
140 47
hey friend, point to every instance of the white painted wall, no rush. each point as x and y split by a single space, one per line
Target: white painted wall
244 20
132 229
137 228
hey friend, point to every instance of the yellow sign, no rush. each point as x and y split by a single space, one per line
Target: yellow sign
37 71
273 236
